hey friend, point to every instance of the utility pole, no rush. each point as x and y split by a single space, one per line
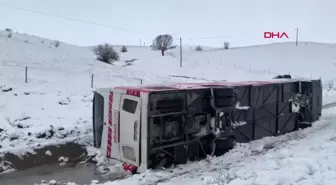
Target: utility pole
297 36
180 51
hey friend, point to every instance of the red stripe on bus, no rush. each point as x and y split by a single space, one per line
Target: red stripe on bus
109 133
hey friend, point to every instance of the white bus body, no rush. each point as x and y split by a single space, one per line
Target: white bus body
149 126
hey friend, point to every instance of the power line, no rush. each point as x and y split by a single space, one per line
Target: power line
104 25
71 19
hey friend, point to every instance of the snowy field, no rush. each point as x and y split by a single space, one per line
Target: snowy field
54 105
306 157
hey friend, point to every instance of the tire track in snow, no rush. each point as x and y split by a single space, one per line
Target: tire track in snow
329 105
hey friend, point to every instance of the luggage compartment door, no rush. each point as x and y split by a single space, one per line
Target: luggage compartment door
130 110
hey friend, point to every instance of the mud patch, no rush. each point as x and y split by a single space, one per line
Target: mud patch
42 156
80 174
60 164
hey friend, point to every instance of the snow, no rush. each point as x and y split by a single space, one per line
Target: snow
52 182
241 107
48 153
238 124
303 157
54 106
298 158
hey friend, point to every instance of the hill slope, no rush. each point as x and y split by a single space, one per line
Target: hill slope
55 103
57 96
305 60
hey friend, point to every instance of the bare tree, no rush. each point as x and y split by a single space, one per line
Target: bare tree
106 53
162 43
226 45
9 31
56 43
123 49
198 48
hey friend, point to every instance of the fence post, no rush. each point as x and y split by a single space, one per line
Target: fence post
92 81
26 74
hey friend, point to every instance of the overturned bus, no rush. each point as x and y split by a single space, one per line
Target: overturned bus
159 125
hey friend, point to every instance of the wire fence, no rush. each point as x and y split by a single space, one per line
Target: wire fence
93 78
29 74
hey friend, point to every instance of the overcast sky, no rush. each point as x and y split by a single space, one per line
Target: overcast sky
205 22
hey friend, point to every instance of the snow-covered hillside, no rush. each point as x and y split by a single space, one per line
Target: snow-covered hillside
55 104
57 96
243 63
